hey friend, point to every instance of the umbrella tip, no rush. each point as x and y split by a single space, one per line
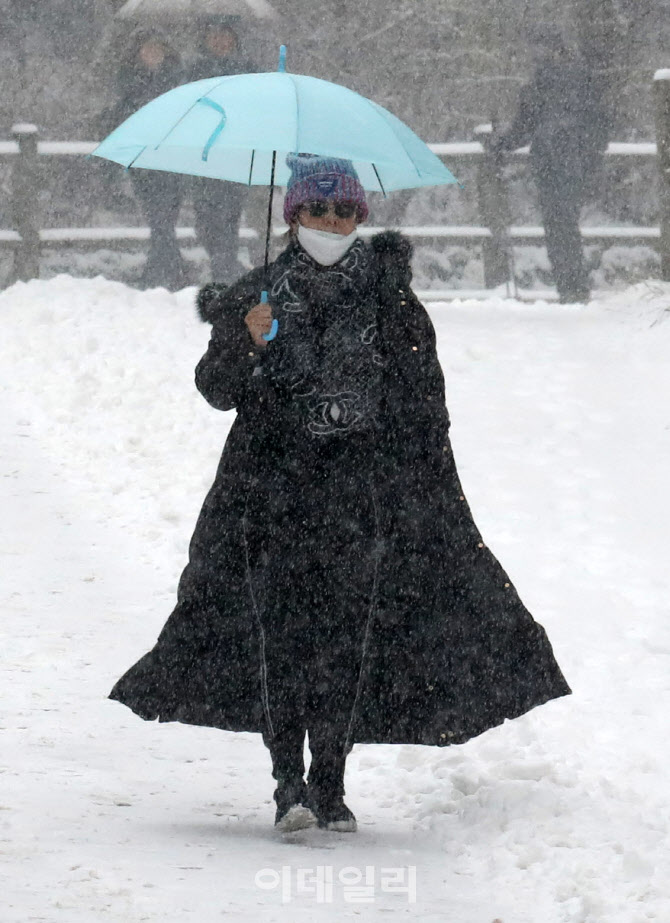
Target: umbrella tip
282 59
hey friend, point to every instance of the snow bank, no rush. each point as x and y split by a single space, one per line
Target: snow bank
107 372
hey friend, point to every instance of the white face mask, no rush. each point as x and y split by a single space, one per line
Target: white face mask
323 246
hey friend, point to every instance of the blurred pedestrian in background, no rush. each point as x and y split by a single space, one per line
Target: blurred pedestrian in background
562 115
148 67
218 205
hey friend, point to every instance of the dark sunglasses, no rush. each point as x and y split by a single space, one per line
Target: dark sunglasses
341 209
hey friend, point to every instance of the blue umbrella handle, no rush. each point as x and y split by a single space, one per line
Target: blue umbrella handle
275 323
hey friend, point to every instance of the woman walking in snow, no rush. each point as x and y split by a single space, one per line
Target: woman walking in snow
337 584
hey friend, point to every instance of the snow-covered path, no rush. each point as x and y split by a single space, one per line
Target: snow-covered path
561 428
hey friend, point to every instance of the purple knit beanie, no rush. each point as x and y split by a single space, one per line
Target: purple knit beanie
321 179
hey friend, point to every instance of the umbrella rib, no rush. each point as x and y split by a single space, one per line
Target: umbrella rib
297 114
136 157
251 168
379 180
399 140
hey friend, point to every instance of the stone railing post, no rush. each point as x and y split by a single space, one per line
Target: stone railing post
494 213
662 101
25 203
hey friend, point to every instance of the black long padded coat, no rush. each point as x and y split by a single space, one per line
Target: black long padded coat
410 615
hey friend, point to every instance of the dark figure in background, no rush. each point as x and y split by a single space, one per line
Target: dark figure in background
218 205
148 68
562 116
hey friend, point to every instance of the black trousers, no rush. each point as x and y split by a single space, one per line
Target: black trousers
312 669
327 747
160 195
561 198
311 555
218 211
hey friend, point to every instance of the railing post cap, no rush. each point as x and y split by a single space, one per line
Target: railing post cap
663 74
24 128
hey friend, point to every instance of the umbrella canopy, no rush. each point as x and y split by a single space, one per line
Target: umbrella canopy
231 127
159 9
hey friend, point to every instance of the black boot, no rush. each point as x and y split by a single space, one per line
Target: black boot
293 811
325 782
327 804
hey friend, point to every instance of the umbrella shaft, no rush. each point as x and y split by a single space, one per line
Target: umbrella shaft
267 233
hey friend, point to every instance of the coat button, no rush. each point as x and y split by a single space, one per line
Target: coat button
461 498
430 688
252 355
403 302
414 348
443 736
480 544
506 585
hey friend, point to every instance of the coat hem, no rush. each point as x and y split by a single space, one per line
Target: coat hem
206 717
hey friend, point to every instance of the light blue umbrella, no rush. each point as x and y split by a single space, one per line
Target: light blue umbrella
241 128
231 127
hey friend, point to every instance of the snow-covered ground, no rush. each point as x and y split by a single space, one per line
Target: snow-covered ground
561 429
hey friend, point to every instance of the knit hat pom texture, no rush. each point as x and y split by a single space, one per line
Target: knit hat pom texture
322 179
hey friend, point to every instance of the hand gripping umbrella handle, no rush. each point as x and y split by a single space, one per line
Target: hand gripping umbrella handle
275 323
